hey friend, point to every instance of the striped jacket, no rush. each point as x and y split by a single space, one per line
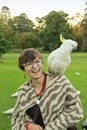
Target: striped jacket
59 104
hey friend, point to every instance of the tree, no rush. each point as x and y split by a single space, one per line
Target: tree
84 32
55 23
4 44
5 37
26 40
24 34
5 14
21 23
75 23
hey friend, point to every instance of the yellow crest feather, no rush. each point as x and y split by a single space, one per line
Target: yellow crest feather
62 39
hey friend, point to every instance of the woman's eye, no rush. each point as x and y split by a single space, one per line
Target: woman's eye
28 63
37 61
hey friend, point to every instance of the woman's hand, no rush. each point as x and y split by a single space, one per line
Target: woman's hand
33 126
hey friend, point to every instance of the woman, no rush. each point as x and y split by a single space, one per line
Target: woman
47 101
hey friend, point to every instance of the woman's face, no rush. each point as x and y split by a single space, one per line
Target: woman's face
34 68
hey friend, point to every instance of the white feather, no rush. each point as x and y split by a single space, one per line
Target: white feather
78 92
9 111
14 94
59 59
77 73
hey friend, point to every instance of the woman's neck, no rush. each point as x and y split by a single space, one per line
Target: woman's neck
37 83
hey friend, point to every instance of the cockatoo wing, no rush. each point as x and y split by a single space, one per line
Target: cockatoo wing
59 61
51 57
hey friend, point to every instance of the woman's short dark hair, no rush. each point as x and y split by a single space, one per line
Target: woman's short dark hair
28 55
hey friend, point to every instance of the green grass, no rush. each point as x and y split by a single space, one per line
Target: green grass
11 77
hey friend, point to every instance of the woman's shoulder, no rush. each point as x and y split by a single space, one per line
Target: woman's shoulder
25 86
56 76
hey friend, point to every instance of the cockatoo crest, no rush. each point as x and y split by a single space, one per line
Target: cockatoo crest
62 39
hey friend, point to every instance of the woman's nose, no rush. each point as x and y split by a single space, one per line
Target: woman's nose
34 65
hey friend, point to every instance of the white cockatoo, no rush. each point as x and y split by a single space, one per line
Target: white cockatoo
59 59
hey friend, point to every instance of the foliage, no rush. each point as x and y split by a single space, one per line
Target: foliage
4 44
5 38
26 40
21 23
84 32
78 36
5 14
21 32
55 23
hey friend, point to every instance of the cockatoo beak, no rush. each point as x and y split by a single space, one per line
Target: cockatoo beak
62 39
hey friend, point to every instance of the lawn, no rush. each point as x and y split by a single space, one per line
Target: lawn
11 77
